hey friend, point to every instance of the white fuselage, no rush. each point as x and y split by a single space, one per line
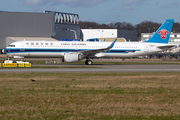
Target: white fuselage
59 48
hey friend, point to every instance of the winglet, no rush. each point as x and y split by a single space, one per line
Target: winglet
112 45
104 40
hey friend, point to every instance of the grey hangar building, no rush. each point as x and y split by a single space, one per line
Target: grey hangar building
17 26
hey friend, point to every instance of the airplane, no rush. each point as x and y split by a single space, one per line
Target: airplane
75 51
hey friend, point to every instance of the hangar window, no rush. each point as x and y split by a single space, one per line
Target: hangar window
145 35
172 36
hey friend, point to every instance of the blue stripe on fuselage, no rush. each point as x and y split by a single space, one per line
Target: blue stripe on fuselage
34 50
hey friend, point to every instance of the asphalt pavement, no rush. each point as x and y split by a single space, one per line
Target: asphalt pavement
99 68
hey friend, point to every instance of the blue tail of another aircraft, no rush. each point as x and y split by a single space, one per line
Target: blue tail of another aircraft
163 33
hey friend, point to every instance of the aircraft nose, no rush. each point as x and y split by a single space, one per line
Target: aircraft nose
3 51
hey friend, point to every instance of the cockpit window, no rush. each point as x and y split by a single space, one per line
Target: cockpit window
11 45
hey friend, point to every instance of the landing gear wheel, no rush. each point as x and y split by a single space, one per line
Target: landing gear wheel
88 62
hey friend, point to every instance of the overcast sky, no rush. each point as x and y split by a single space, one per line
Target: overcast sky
102 11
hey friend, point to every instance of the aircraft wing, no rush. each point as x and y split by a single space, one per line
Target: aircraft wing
94 51
166 46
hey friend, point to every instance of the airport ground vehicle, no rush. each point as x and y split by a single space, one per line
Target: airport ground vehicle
9 60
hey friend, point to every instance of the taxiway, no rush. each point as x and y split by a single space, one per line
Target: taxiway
100 68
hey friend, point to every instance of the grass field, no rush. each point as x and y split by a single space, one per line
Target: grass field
111 61
90 96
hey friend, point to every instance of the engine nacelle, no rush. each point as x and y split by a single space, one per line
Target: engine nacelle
72 57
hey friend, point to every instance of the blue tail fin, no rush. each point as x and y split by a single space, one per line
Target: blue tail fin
163 33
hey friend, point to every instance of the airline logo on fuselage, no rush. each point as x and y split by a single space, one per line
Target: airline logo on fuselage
163 33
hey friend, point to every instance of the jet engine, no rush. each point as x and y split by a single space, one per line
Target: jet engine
72 57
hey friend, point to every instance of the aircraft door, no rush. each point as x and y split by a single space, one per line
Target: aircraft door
22 46
146 48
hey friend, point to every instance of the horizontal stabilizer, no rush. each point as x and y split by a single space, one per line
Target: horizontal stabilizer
166 46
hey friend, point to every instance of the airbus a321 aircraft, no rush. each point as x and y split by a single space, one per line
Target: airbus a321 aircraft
74 51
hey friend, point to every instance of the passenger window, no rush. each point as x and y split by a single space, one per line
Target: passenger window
11 45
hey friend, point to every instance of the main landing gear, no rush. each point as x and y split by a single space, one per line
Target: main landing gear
88 62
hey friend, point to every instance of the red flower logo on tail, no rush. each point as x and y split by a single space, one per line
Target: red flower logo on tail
163 33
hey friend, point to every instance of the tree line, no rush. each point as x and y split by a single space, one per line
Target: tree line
143 27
